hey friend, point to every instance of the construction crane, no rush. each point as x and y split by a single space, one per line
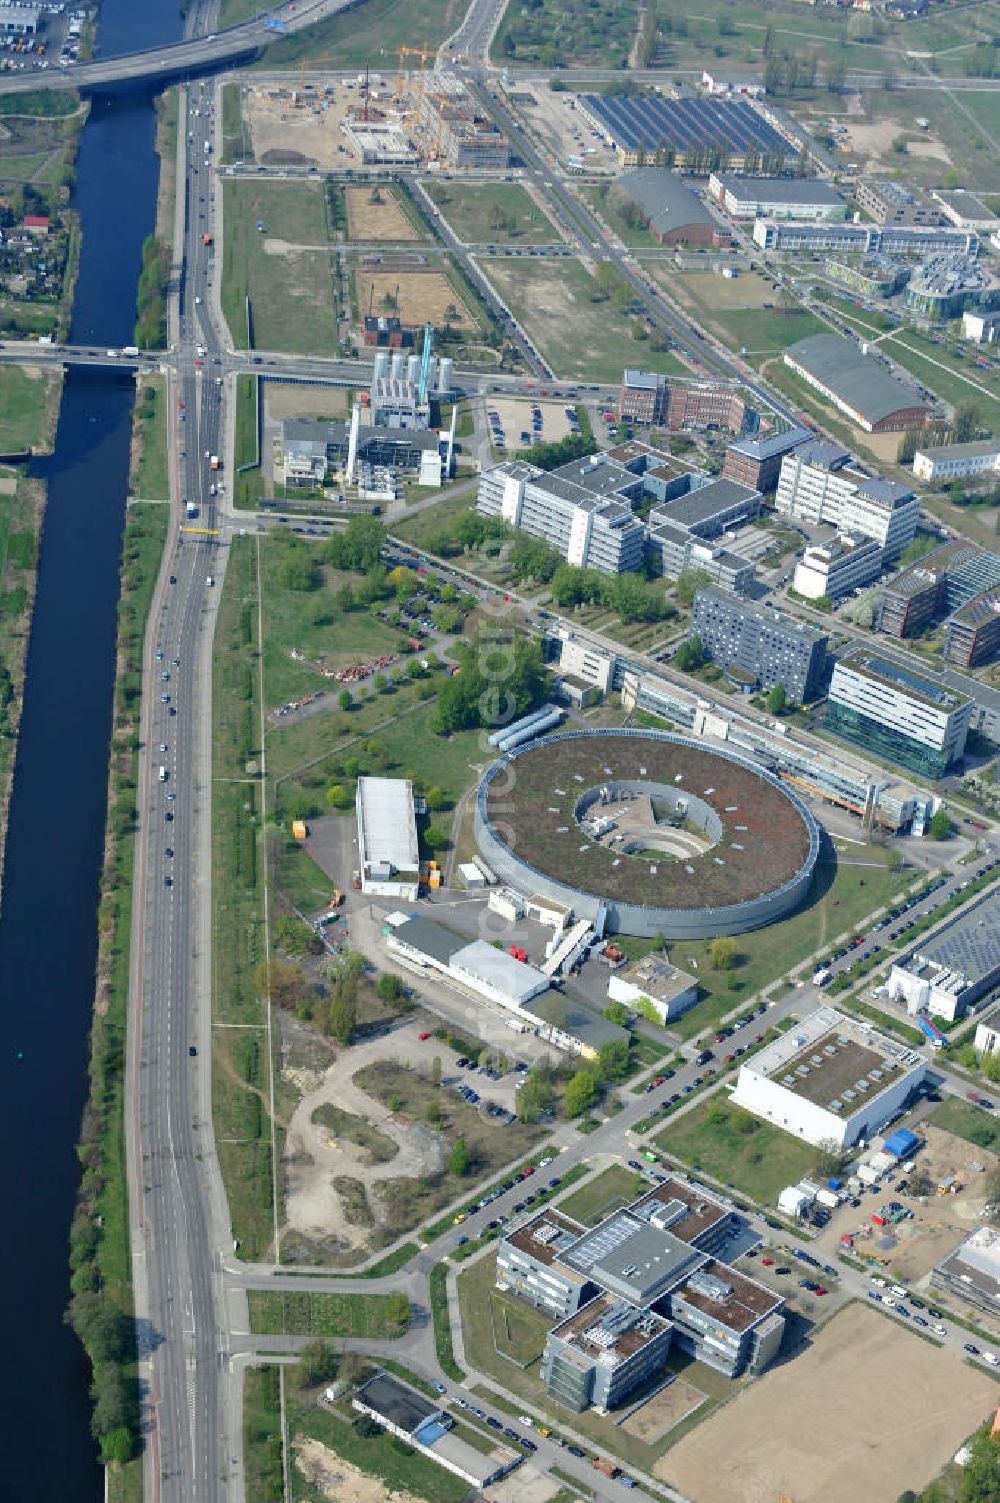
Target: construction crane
425 363
423 53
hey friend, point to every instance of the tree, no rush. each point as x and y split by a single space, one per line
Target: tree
966 422
722 953
836 75
435 798
337 796
117 1446
617 1013
435 837
689 583
345 597
402 581
295 937
299 570
981 1476
777 699
436 1070
397 1310
343 1013
458 1160
389 987
690 654
939 826
317 1363
287 985
345 699
908 446
647 1009
432 1113
581 1093
107 1334
613 1059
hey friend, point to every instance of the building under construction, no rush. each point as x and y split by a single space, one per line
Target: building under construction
457 132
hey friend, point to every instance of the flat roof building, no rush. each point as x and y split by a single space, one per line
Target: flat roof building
19 20
946 974
762 645
965 209
429 1429
583 509
388 857
891 203
856 384
972 1271
949 284
831 570
957 461
820 483
727 1320
794 197
917 596
829 1079
650 398
529 1263
567 1023
756 460
862 239
886 709
666 989
972 633
602 1353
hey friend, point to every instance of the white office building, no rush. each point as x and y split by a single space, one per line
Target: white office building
820 483
803 198
583 509
388 859
835 569
957 461
982 328
829 1080
886 709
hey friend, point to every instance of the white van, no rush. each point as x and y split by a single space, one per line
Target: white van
163 774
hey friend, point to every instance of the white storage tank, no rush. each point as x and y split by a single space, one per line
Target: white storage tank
381 369
413 369
398 366
444 373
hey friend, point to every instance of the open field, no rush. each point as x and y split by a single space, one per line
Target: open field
29 406
283 399
287 280
418 295
148 479
493 213
658 1416
738 1149
580 334
371 33
279 1313
376 219
809 1428
735 309
968 1122
606 1192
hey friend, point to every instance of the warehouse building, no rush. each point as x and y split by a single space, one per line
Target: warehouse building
697 133
820 482
951 971
856 385
892 712
674 213
583 509
829 1079
972 1271
761 645
829 571
424 1426
966 210
972 634
388 858
794 198
957 461
20 20
654 983
756 460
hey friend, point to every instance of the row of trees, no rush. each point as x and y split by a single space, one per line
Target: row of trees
628 594
151 296
500 675
964 426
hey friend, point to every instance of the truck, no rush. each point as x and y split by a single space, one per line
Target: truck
607 1467
130 349
337 898
191 509
206 239
213 462
822 975
163 774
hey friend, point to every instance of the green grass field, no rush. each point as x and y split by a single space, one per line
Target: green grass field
734 310
958 380
280 1313
968 1122
738 1149
493 213
568 32
29 405
149 480
285 269
606 203
371 33
580 338
612 1188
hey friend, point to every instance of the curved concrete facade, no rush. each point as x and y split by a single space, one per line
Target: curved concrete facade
637 918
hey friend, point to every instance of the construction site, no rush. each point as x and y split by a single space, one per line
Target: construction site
423 117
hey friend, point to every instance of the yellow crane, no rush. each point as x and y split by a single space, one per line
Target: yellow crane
423 53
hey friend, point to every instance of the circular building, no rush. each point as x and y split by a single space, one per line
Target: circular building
667 836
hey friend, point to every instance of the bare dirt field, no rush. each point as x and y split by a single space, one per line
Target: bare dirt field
421 295
816 1429
283 131
873 142
526 1485
383 220
314 1159
282 400
651 1421
340 1482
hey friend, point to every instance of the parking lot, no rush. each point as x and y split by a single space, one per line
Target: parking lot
519 424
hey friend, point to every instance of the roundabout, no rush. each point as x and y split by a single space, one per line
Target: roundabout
665 835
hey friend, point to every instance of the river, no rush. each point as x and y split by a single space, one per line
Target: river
48 929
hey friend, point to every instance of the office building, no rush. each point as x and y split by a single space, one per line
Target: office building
791 197
20 20
983 328
857 385
972 633
819 482
957 461
872 276
892 712
674 213
891 203
388 861
949 972
828 571
528 1264
649 398
755 461
730 1322
653 984
597 1357
971 1273
966 210
759 644
862 239
948 284
583 509
939 582
829 1079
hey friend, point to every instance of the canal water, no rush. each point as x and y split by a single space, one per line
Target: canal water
55 838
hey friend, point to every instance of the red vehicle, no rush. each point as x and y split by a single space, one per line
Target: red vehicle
767 1262
658 1080
819 1289
423 1037
526 1173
